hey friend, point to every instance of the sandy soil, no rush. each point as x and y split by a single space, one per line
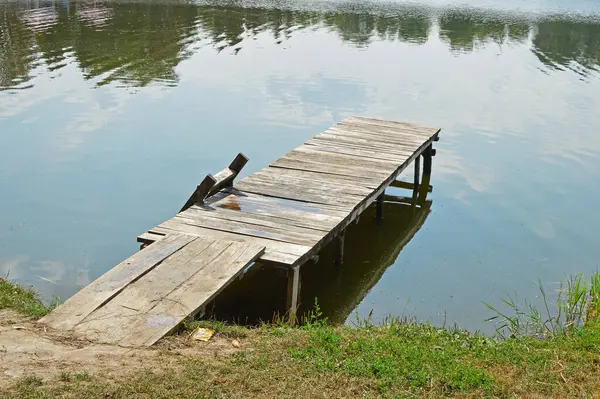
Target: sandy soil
28 348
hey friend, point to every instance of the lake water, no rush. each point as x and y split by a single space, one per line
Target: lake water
111 112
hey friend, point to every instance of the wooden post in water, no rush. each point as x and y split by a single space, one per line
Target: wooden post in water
417 177
427 158
293 292
339 252
379 212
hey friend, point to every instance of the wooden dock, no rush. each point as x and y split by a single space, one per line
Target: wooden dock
283 215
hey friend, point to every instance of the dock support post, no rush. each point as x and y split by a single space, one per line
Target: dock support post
379 212
293 292
428 154
339 253
417 179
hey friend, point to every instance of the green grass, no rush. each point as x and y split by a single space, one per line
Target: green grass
399 359
21 299
395 360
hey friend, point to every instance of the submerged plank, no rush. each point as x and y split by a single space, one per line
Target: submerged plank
75 309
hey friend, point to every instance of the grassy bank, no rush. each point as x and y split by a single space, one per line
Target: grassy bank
21 299
397 359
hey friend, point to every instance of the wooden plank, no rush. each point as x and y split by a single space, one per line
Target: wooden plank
213 184
382 132
361 152
189 297
149 238
392 124
407 141
337 198
152 306
322 185
236 199
371 159
346 161
261 219
201 192
408 186
293 174
349 143
272 233
325 168
276 251
369 143
88 299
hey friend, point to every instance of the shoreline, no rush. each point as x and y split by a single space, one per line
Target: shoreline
397 359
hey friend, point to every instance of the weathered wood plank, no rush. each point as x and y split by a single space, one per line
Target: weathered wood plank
407 142
325 168
346 161
89 298
238 199
261 219
284 179
400 126
381 132
189 297
349 143
389 133
408 186
361 152
213 184
276 251
308 237
294 174
337 198
369 143
152 306
149 238
361 158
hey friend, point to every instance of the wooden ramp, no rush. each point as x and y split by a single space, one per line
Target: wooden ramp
146 296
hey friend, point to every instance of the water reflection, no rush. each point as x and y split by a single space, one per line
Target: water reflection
139 43
371 248
565 44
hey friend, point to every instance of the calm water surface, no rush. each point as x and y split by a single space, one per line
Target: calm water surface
111 111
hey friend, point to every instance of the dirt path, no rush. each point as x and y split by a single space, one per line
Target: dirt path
27 348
